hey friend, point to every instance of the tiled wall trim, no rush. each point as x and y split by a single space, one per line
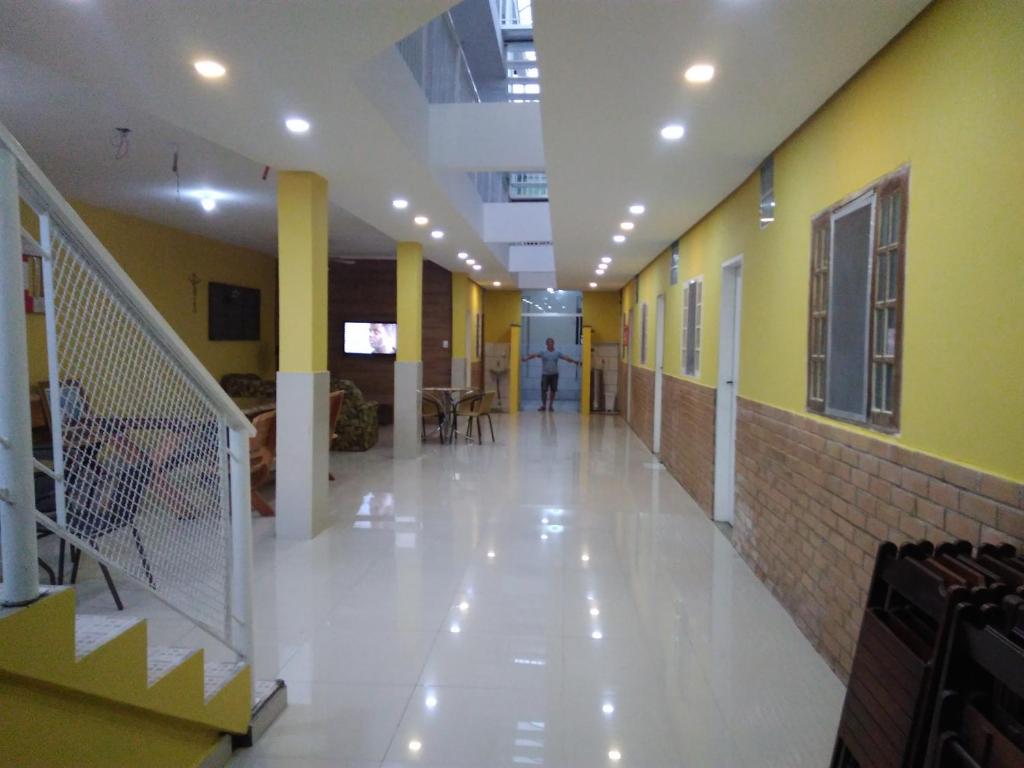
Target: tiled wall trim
813 501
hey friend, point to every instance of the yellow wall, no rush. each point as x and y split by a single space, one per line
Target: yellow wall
460 291
601 311
944 97
501 309
160 259
476 306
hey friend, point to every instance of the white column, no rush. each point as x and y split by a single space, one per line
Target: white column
17 490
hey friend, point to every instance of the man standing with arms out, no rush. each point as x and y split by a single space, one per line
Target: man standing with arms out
549 373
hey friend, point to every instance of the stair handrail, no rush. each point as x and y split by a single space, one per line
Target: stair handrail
43 197
58 220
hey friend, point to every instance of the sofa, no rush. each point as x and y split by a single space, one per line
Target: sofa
358 427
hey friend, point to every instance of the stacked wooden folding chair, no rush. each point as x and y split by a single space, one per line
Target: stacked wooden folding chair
979 715
938 674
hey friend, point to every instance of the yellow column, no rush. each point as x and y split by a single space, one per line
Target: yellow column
302 270
303 441
588 333
410 303
514 365
408 360
460 344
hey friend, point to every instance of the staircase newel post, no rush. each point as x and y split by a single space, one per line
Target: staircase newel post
241 542
17 490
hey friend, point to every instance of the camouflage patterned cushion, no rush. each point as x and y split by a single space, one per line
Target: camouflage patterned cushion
247 385
358 426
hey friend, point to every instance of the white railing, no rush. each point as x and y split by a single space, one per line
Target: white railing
436 59
150 458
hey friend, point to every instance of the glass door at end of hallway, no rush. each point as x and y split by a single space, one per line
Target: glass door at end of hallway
558 316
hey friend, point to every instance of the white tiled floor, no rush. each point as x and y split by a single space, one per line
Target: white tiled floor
395 629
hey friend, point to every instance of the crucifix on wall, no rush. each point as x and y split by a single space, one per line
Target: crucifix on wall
194 281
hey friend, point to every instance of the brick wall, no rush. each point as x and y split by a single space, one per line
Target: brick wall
476 374
688 437
642 407
621 395
813 501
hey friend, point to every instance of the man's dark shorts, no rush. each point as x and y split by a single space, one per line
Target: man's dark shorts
548 381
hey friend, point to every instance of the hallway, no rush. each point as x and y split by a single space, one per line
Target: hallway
554 599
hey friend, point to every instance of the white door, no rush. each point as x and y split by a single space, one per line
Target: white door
728 382
659 367
629 367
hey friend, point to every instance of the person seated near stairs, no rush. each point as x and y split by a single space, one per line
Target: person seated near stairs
549 373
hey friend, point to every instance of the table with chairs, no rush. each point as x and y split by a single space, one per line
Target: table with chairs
442 408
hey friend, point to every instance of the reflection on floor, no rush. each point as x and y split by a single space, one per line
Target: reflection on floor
545 600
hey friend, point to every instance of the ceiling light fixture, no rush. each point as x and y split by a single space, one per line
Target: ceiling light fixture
431 702
608 708
593 285
598 271
619 238
208 204
699 73
463 255
415 746
400 203
471 262
606 259
614 755
673 132
477 267
496 283
297 125
627 226
210 69
437 234
637 209
596 634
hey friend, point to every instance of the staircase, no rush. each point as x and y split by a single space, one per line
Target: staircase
150 477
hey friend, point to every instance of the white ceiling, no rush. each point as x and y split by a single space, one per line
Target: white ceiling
71 70
611 77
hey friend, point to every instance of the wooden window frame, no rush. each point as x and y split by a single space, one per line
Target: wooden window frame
698 323
897 183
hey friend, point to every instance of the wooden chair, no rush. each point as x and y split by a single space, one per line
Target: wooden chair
468 408
432 409
261 459
485 412
336 399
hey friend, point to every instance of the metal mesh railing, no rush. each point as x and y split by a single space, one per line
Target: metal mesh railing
435 57
144 454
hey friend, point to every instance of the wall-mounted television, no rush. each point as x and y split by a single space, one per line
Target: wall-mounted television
371 338
234 313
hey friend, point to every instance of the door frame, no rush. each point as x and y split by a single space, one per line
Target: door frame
729 323
659 370
630 338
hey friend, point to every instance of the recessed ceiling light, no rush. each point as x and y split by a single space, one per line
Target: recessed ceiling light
595 611
463 255
431 702
606 259
477 267
608 708
471 262
596 634
496 283
614 755
593 285
210 69
585 558
437 234
415 746
699 73
491 555
455 629
464 606
400 203
673 132
598 271
420 221
297 125
619 238
637 209
626 225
